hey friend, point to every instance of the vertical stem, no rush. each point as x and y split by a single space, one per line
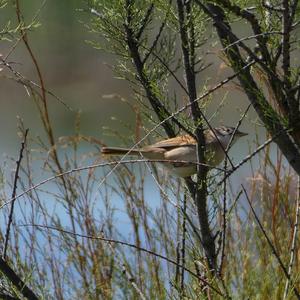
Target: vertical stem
183 245
224 219
286 43
200 191
293 246
14 195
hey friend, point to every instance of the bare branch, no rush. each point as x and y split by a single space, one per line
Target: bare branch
10 217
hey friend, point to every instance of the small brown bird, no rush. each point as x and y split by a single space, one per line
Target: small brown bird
183 148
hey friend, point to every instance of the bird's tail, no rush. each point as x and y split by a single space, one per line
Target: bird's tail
120 151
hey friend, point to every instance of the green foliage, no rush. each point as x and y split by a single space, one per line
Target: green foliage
155 28
8 30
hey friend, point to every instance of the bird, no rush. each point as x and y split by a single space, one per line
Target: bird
180 152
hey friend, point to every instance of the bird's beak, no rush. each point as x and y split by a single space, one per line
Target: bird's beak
240 133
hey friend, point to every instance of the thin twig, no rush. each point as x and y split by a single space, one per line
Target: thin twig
154 44
124 244
124 269
12 276
10 217
30 83
250 156
237 126
255 25
250 37
162 190
20 38
183 244
145 21
131 280
112 163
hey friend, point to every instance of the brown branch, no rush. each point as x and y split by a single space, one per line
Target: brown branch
45 116
44 112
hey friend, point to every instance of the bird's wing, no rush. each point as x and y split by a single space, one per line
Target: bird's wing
181 140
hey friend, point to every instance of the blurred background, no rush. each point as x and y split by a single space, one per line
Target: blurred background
72 70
